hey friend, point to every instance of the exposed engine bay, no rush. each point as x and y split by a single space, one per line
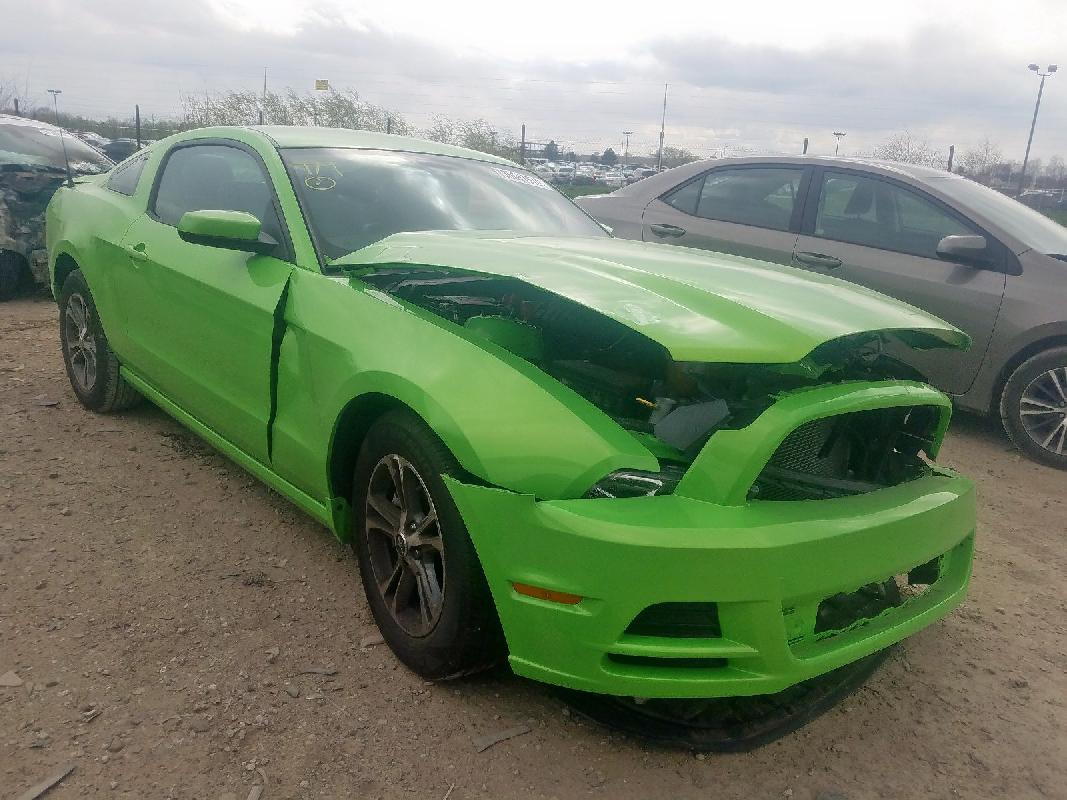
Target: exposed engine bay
674 407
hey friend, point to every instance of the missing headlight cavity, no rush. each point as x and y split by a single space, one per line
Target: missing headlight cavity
849 454
619 370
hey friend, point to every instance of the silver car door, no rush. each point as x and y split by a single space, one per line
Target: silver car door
747 210
883 234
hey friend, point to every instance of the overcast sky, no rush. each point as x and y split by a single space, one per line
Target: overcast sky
759 75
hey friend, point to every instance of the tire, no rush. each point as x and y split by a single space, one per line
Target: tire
1033 407
441 624
92 368
13 274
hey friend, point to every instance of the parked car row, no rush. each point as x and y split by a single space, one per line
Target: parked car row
586 173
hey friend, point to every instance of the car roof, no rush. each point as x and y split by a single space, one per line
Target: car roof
655 185
11 119
292 136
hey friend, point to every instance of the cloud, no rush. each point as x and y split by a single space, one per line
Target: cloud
948 87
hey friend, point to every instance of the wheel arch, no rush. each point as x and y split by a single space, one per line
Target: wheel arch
64 264
349 431
1021 356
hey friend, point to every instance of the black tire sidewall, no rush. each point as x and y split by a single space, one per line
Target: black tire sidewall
467 633
1011 405
94 400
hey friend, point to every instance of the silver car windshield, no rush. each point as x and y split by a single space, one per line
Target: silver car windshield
1028 226
353 198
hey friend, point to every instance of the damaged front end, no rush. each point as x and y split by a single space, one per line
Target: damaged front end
25 190
673 407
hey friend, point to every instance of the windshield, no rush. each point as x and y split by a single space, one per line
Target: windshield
353 198
1030 227
25 142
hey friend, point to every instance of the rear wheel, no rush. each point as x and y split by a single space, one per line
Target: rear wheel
421 575
92 368
1033 407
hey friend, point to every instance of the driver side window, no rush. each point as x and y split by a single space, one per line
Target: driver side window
219 178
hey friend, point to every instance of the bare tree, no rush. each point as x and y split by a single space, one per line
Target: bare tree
1056 170
908 149
979 162
9 93
675 156
475 134
336 109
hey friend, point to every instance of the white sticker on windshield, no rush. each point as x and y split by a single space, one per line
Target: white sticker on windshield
521 177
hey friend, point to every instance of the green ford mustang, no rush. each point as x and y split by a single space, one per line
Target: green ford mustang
636 469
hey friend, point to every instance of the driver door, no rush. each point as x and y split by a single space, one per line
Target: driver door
200 319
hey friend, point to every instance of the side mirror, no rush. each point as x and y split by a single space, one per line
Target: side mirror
230 230
970 249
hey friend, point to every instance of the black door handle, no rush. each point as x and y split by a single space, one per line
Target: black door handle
817 260
662 229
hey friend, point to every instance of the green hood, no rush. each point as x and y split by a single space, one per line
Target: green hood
701 306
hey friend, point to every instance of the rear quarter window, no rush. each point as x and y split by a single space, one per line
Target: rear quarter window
125 177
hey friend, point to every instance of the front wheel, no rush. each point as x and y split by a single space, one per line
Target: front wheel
1033 407
420 572
92 368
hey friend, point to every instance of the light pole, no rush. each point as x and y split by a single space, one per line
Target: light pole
839 135
55 103
1033 123
626 146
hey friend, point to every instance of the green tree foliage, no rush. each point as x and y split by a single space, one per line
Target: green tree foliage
552 151
609 157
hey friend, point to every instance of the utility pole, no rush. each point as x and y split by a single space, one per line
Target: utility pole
522 146
1033 123
662 125
626 146
388 123
263 102
137 123
804 152
17 114
951 155
839 135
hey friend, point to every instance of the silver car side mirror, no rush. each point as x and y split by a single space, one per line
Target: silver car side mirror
967 249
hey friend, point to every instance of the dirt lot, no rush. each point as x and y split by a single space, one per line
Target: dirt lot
218 633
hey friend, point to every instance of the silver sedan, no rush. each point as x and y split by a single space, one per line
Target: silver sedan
984 262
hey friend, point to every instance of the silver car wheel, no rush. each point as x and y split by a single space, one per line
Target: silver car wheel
81 343
1043 409
407 554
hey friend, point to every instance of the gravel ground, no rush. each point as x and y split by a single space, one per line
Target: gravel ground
179 630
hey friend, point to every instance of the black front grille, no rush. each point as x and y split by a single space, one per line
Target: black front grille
848 454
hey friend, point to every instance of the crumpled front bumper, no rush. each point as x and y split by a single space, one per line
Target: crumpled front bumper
766 565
